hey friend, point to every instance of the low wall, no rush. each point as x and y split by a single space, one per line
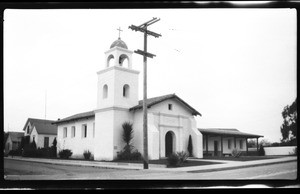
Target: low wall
283 150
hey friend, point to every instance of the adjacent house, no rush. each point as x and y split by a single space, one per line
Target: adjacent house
41 131
12 141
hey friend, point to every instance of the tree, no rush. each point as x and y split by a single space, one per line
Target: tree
127 133
190 146
127 153
289 127
54 143
53 148
264 142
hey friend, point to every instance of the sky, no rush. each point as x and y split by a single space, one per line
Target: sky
237 67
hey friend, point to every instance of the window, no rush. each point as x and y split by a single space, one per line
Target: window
126 91
65 132
73 131
241 144
33 138
46 142
204 144
105 91
84 131
28 129
170 106
93 129
229 143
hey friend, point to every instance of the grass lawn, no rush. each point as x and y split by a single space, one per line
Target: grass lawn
165 162
241 158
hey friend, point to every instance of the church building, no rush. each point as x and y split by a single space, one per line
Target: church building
170 119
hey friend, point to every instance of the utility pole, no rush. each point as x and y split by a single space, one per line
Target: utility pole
143 28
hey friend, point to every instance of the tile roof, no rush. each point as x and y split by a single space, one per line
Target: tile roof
76 117
156 100
150 102
227 132
42 126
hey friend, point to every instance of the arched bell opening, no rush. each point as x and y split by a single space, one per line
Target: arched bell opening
110 61
124 61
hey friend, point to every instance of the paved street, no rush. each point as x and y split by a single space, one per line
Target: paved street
24 170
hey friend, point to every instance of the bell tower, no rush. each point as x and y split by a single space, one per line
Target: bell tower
117 92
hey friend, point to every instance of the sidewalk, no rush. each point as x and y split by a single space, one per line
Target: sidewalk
226 165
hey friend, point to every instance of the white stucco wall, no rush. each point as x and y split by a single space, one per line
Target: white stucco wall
76 144
179 121
284 150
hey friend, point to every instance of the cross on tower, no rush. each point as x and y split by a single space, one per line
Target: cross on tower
119 29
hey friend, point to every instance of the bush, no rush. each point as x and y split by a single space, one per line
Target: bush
43 152
29 152
65 154
183 156
87 154
177 159
261 151
127 154
236 153
173 160
15 152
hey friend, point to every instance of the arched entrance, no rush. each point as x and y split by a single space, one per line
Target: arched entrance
169 143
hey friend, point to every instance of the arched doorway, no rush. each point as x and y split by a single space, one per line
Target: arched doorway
169 143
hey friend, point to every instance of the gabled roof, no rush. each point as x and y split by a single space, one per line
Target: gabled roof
156 100
227 132
76 117
15 136
42 126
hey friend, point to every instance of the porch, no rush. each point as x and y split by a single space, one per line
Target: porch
221 142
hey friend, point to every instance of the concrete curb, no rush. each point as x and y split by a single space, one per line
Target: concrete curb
135 166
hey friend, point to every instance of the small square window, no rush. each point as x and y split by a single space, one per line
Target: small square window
170 106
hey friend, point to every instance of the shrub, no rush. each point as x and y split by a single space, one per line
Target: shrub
173 160
65 154
261 151
127 154
87 154
43 152
236 153
15 152
28 151
177 159
183 156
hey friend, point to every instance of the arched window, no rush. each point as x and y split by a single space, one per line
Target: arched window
110 61
126 91
105 91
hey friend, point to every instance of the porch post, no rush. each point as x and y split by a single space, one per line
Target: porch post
206 144
221 146
257 144
246 146
234 142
